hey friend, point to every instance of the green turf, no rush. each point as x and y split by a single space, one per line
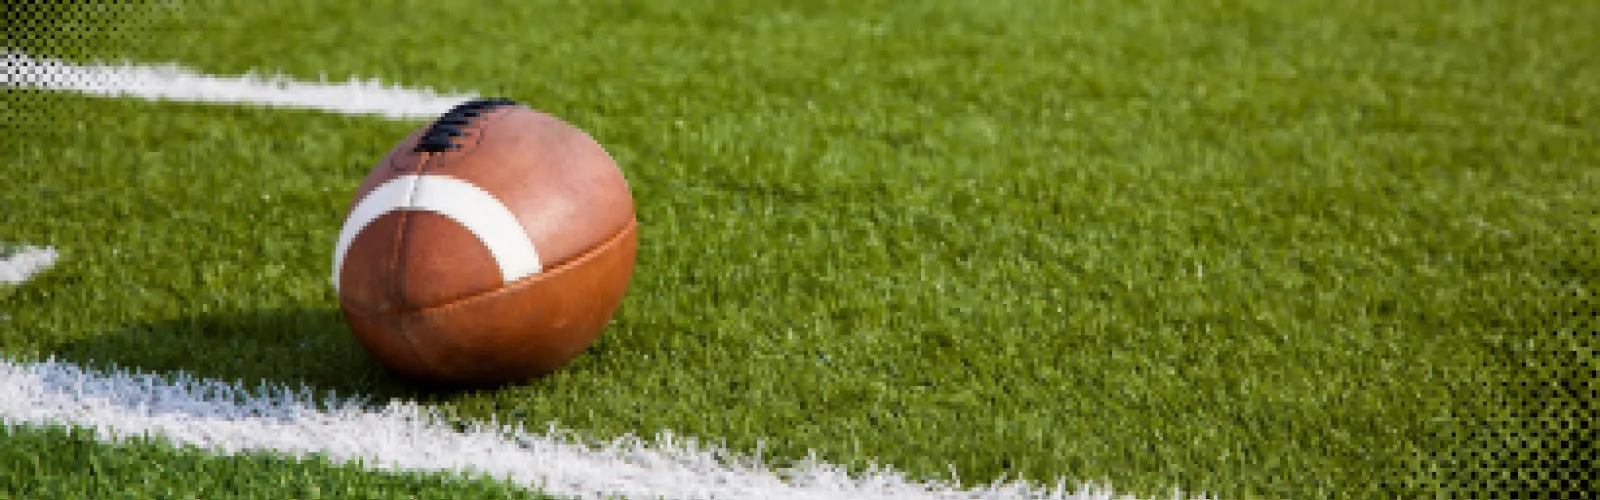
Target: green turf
70 463
1253 248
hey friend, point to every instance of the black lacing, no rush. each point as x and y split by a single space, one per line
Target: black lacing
437 139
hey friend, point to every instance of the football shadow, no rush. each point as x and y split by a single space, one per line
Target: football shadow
308 347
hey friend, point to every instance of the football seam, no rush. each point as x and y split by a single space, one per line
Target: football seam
397 292
610 242
433 161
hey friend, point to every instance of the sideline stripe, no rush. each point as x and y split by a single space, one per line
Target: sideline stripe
170 82
471 207
228 418
19 264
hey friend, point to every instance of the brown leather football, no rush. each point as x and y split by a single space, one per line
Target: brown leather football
490 246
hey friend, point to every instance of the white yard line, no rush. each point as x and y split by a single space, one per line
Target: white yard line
228 418
170 82
22 263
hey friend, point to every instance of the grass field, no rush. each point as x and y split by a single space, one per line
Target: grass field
1245 248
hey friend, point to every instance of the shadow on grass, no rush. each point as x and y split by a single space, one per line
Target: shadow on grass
308 347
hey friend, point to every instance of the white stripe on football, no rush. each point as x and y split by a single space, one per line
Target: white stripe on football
473 208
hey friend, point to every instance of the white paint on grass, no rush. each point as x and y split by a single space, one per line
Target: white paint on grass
22 263
170 82
228 418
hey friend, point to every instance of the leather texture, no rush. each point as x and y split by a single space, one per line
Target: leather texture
426 298
524 330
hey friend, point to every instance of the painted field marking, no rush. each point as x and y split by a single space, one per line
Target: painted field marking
20 264
227 417
170 82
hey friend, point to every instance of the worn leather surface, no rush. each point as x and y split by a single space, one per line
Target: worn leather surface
424 295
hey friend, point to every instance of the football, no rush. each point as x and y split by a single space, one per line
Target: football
490 246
